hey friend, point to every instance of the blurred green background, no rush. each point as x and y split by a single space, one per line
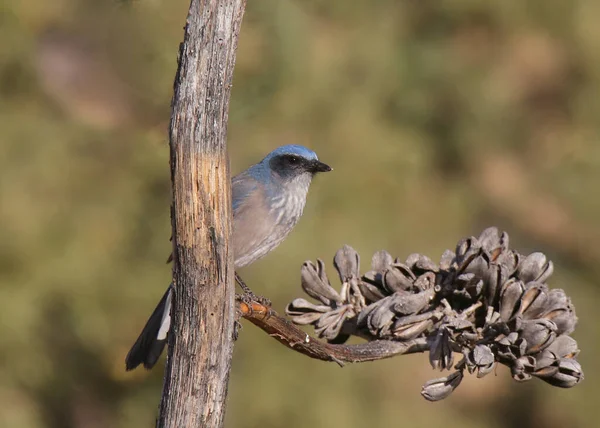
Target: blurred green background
440 118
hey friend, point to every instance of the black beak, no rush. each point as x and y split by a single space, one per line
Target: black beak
318 166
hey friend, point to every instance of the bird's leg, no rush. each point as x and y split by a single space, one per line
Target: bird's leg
237 325
242 284
248 297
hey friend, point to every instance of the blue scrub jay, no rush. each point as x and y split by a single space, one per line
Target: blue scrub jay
267 200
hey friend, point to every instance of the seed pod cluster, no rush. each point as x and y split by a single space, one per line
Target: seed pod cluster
484 301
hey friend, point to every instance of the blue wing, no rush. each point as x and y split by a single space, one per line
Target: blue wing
253 223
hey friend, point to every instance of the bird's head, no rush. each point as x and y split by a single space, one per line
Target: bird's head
293 161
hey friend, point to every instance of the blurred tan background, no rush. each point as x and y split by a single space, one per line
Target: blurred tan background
440 118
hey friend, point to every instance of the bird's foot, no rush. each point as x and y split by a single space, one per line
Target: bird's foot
252 302
250 298
260 300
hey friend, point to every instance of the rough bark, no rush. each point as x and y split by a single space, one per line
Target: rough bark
200 343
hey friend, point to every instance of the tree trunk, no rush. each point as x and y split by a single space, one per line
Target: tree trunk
200 343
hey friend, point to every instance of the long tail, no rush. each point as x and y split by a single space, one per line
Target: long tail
153 338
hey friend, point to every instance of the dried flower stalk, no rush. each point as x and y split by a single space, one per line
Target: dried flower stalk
484 301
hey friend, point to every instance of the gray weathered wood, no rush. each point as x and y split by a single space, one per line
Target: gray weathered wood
200 344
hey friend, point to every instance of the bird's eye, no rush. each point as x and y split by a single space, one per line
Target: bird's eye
293 160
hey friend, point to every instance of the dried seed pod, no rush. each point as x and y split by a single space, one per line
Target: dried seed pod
330 324
398 277
510 298
410 327
512 347
560 310
352 294
370 291
564 318
534 300
522 368
478 265
564 347
419 263
438 389
493 241
373 277
304 312
381 260
496 275
510 259
485 370
407 304
546 364
481 358
535 267
440 350
315 283
378 318
508 340
347 263
539 334
447 260
425 282
457 324
466 251
492 319
568 375
468 286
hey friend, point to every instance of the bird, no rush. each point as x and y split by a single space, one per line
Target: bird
268 200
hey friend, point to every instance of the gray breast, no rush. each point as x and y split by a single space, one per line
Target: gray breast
263 223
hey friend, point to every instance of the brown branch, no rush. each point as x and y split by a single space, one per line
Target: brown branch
291 336
196 376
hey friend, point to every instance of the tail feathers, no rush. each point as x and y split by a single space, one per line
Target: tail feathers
153 338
